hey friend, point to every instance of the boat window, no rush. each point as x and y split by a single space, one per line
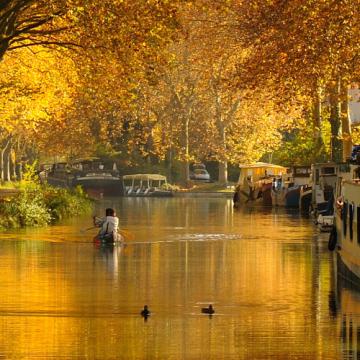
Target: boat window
345 210
351 218
344 167
339 186
328 170
302 171
357 173
358 223
61 166
317 176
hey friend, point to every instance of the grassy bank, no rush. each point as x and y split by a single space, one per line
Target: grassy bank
210 187
39 205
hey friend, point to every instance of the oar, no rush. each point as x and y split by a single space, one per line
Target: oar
126 234
90 228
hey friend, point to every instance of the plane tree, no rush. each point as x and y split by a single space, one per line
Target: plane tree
304 47
102 51
233 112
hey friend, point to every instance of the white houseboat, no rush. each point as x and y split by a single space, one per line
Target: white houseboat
345 236
318 195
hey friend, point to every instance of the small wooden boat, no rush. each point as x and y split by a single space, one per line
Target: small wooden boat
108 239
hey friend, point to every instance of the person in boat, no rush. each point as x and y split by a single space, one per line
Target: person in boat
109 226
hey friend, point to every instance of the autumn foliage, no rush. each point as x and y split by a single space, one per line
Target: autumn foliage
176 81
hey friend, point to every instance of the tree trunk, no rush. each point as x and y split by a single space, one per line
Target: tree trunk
169 158
2 173
187 151
317 119
345 122
335 122
2 159
223 169
223 172
7 164
13 166
20 170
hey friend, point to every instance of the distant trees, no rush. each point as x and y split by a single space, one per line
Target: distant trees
307 49
201 112
184 81
64 102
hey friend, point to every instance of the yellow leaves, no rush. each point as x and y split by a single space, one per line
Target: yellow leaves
283 57
33 91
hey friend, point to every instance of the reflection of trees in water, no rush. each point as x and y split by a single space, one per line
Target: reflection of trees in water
110 256
271 281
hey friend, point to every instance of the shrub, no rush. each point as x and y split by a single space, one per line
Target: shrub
30 205
65 203
39 205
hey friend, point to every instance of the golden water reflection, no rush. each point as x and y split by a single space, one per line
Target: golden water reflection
267 273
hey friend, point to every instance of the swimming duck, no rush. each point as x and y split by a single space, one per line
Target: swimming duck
208 310
145 312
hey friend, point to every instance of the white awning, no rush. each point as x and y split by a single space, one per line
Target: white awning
155 177
260 165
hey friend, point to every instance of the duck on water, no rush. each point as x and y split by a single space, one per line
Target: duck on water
209 310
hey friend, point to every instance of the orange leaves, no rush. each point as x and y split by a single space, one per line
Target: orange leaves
34 93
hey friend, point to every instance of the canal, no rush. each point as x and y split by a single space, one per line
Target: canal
267 272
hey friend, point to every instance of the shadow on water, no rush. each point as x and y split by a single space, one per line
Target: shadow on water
344 306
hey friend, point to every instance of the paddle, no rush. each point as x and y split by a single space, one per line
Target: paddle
126 234
90 228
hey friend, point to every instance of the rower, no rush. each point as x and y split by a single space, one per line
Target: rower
109 226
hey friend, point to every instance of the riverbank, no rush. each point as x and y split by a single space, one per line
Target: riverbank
33 204
203 194
199 189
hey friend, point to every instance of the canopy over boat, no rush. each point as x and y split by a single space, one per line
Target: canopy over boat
145 177
145 185
259 170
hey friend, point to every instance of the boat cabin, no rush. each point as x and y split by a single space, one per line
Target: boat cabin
301 175
259 171
324 178
256 181
94 165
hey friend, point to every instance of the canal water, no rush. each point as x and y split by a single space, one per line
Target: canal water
267 272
